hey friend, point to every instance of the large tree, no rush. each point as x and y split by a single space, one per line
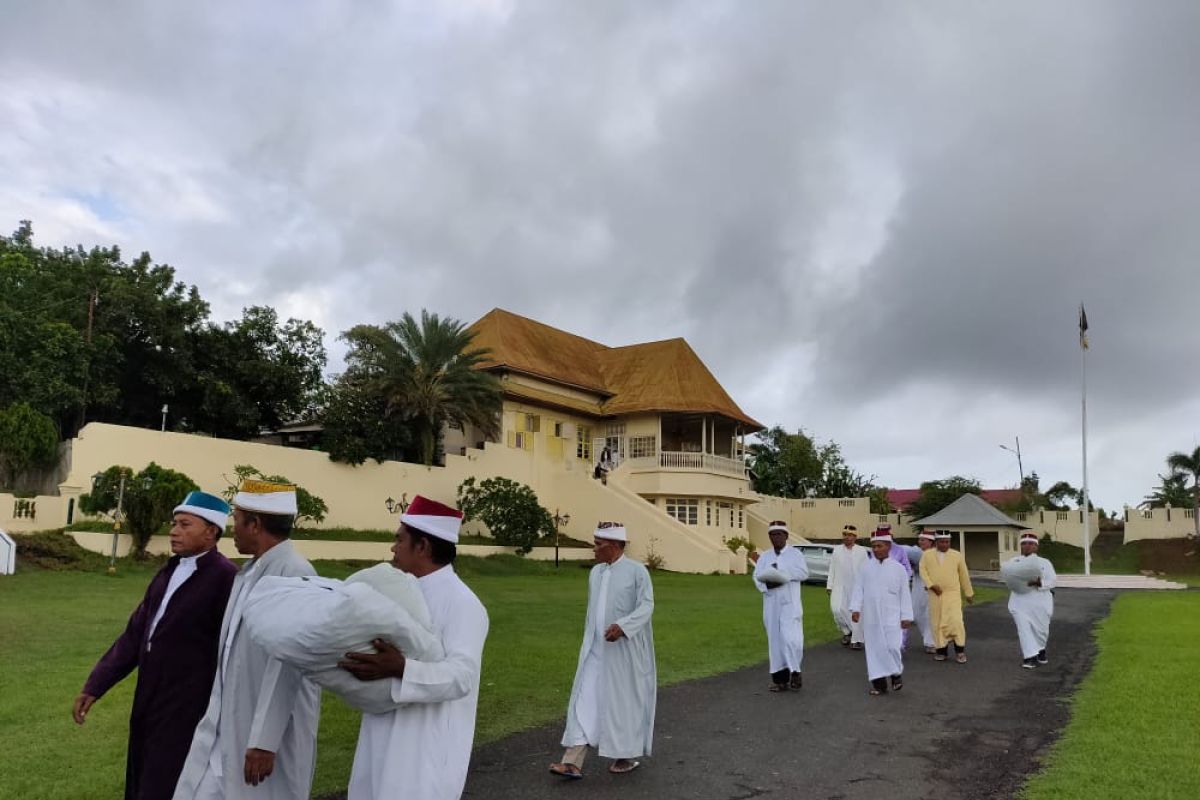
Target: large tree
786 464
28 439
1188 465
86 336
936 495
423 374
1172 490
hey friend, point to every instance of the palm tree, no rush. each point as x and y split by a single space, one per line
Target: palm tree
1189 467
428 374
1171 491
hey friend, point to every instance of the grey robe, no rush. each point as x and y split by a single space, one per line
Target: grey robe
256 702
620 677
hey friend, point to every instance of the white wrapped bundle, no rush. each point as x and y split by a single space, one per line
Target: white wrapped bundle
1018 572
772 577
311 622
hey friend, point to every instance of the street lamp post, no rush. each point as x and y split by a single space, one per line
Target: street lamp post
118 518
1017 452
164 419
559 520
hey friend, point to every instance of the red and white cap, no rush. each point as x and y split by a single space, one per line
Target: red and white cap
434 518
1029 536
883 533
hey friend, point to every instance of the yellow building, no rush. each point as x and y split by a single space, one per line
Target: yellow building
652 411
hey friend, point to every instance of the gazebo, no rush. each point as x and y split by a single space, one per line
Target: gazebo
993 534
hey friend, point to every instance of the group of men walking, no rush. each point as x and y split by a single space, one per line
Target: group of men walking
877 595
215 716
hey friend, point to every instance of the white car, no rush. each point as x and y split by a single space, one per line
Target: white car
818 557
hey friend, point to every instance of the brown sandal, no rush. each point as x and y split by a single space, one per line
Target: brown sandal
567 771
961 658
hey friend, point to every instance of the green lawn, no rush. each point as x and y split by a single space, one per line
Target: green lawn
1135 722
54 625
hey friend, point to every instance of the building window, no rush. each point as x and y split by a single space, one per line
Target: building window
741 517
846 504
642 446
583 443
684 509
615 429
708 513
558 429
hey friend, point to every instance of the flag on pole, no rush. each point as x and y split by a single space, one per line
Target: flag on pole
1083 326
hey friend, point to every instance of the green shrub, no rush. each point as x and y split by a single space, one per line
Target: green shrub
149 498
510 510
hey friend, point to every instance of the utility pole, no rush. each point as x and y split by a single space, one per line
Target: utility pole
117 520
1017 452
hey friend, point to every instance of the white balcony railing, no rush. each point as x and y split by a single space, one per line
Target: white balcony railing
701 462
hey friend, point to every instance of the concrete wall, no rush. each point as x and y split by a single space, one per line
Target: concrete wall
315 549
356 495
1159 523
49 512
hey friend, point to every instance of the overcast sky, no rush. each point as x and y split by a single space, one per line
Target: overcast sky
873 220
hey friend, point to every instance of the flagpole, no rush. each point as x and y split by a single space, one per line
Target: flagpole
1087 542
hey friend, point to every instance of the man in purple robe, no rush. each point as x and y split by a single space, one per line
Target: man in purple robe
171 640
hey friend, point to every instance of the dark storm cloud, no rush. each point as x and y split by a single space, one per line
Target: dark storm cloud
876 221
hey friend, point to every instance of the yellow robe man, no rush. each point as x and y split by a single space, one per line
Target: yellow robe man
946 570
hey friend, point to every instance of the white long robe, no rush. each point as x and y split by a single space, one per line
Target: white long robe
844 566
1032 610
616 683
423 748
920 598
783 612
882 598
256 702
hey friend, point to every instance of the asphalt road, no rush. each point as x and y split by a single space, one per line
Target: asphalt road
969 731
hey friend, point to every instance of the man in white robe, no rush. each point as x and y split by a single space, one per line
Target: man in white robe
844 565
778 574
883 604
616 682
422 749
920 594
258 738
1033 609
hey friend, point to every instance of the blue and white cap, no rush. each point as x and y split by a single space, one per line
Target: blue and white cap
207 506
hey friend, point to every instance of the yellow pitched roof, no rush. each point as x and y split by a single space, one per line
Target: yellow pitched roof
656 376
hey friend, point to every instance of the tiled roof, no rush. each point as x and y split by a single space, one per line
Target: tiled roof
656 376
969 510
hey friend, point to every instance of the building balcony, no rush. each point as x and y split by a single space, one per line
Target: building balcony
696 462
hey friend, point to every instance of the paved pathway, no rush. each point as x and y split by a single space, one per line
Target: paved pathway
955 731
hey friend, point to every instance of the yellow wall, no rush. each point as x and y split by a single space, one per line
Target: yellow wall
313 549
356 495
1159 523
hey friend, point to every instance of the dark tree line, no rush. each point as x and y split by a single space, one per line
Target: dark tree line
87 336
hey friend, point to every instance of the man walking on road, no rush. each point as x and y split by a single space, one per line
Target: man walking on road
616 683
1032 609
882 604
945 575
778 574
844 565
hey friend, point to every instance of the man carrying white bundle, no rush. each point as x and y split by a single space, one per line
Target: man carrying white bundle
422 747
1032 580
778 574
